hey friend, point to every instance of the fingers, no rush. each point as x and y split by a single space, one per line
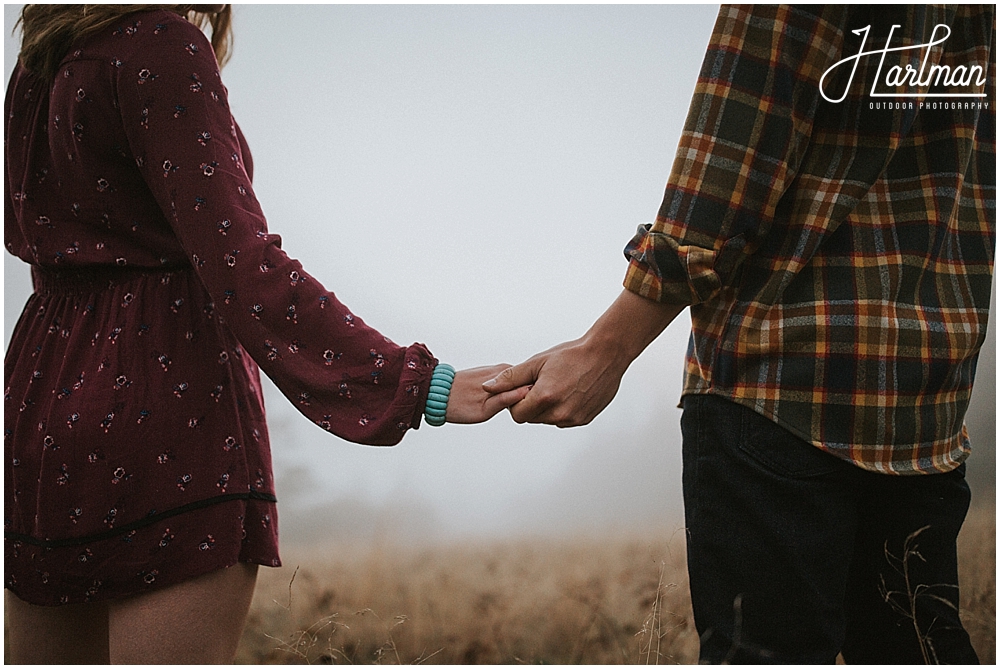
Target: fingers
470 403
497 403
544 412
514 377
533 408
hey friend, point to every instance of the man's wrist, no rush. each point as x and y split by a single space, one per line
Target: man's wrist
601 343
628 326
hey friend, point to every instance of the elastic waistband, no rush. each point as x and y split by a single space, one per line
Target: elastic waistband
48 280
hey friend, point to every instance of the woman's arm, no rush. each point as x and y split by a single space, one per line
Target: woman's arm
335 369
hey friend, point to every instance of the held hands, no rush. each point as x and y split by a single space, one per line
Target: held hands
470 403
571 383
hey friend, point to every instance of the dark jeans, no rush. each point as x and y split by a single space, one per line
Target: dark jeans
793 553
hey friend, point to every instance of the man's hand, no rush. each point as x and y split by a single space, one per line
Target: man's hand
470 403
573 382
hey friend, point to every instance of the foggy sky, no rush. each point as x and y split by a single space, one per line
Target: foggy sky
466 177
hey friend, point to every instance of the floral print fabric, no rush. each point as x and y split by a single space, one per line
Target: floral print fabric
132 400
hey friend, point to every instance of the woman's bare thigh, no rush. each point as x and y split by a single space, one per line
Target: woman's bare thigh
195 622
69 634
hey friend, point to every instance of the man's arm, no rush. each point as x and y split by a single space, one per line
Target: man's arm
748 129
574 381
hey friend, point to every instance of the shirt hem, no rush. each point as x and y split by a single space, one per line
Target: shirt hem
941 466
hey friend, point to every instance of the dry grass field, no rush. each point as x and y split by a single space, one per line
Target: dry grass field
610 601
518 602
977 566
618 600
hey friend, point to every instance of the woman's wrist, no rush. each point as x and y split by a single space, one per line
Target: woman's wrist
436 407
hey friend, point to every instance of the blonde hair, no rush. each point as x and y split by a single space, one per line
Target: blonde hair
48 31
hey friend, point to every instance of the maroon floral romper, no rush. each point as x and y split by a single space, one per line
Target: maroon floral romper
136 448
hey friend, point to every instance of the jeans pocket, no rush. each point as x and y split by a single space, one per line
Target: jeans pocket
781 452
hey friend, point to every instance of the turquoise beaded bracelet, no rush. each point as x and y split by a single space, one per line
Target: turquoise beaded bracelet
437 396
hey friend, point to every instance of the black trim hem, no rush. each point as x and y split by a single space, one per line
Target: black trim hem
153 517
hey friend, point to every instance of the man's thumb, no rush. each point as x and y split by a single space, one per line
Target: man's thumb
512 377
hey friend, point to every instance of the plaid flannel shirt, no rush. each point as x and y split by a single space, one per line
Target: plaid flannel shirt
837 256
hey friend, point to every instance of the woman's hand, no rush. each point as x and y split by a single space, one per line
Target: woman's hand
469 403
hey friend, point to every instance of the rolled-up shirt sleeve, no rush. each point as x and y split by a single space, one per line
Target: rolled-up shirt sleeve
747 130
